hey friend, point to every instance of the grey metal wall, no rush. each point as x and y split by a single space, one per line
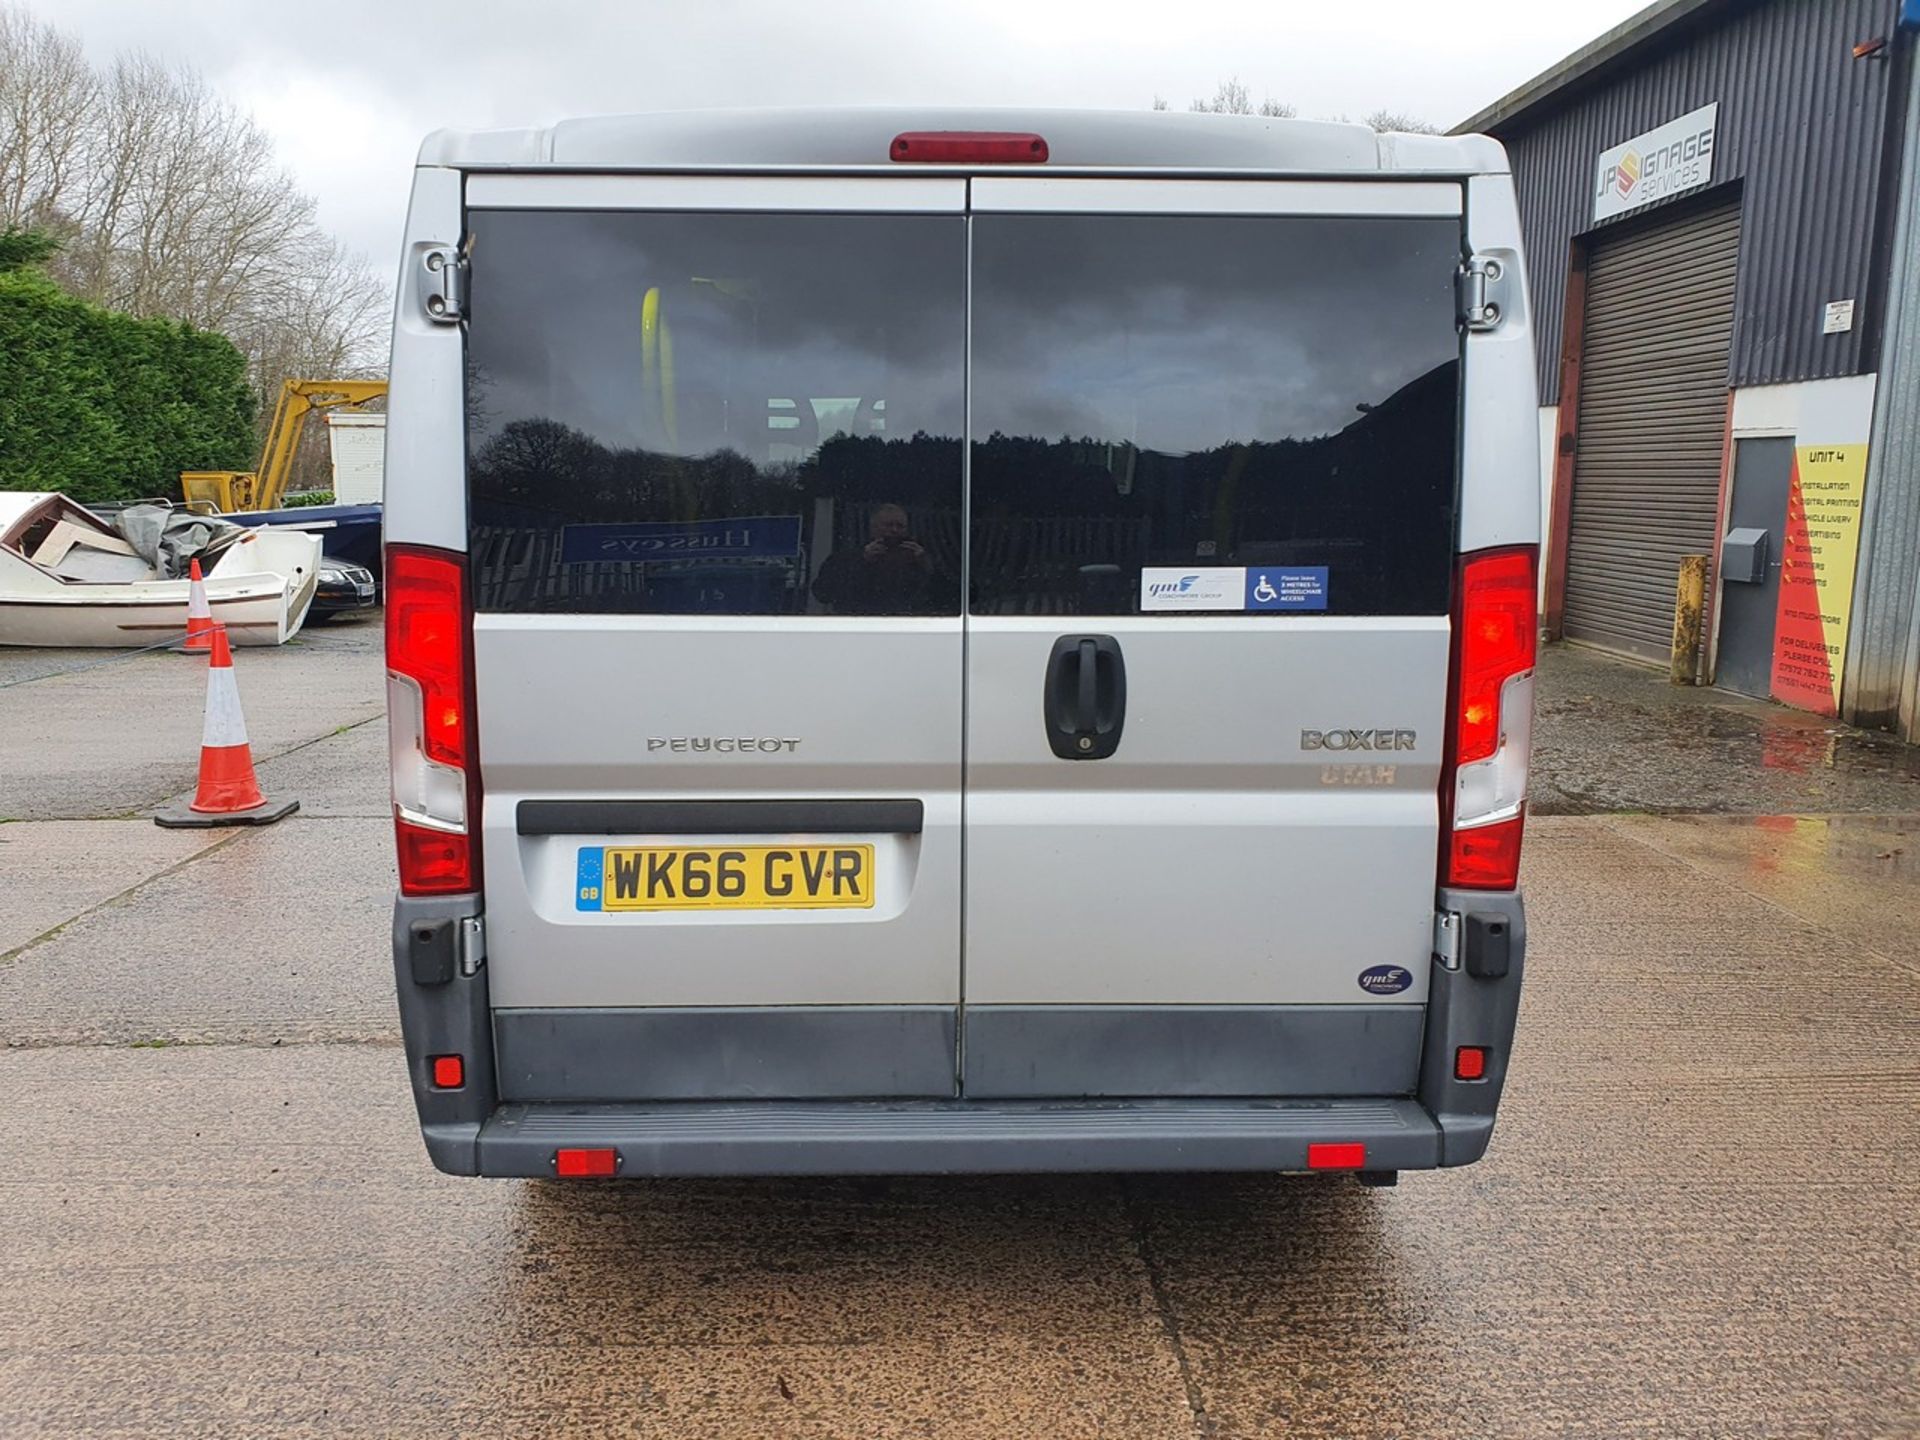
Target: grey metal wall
1801 126
1882 683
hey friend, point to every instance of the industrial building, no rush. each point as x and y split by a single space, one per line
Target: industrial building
1719 206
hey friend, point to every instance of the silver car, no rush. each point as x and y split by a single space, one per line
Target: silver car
959 641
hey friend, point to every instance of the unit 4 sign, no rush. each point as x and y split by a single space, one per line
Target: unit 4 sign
1817 564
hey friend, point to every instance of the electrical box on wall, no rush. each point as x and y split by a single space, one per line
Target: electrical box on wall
1743 556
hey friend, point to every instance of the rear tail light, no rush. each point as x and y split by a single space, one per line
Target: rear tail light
964 147
1490 731
1486 857
436 792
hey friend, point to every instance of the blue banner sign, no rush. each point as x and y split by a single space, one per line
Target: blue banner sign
745 537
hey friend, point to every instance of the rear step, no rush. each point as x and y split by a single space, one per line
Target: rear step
938 1137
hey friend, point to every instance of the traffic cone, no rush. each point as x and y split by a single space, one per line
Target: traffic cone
199 613
228 792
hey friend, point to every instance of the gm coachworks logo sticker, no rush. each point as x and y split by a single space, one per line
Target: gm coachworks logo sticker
1386 979
1182 586
1626 173
1196 587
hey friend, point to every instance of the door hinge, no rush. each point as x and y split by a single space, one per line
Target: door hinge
1446 938
444 292
1481 290
473 944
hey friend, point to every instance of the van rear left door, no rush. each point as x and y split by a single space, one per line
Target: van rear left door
714 479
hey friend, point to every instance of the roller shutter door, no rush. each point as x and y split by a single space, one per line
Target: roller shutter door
1653 408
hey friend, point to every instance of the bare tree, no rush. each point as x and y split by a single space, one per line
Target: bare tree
167 201
1230 97
46 92
1406 124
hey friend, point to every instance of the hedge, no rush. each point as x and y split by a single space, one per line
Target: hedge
106 407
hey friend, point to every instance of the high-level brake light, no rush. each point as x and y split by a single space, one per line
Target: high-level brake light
436 791
969 147
1490 733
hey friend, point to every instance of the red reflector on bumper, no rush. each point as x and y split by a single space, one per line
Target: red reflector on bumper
1470 1063
584 1164
449 1072
1342 1156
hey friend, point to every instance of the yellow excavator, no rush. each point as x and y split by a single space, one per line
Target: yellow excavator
228 491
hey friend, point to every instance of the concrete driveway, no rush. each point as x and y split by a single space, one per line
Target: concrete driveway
1698 1217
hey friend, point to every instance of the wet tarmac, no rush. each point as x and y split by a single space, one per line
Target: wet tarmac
1613 736
97 733
1699 1216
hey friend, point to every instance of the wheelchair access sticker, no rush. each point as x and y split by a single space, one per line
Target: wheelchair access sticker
1286 587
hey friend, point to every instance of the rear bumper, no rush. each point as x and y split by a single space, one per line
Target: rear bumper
1445 1122
944 1137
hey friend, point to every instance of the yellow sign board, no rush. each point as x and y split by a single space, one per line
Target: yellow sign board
1816 575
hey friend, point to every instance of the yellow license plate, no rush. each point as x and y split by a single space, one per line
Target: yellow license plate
724 877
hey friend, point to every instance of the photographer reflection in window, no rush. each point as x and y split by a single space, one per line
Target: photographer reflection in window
890 575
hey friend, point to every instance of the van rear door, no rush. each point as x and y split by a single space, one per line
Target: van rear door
1213 491
714 470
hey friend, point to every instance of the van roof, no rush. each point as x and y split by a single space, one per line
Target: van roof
841 139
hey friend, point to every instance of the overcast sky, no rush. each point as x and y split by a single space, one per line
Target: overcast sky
347 89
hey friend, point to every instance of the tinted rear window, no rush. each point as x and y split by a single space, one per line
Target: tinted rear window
716 413
1157 398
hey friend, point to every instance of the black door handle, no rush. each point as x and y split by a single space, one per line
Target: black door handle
1085 697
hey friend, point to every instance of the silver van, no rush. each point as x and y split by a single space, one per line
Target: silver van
959 641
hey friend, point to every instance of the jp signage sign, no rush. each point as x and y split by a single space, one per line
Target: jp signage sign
1664 161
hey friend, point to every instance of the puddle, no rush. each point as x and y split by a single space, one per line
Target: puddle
1610 736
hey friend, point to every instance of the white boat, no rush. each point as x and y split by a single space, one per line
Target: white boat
67 578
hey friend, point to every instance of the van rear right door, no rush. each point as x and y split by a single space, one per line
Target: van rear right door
1213 487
